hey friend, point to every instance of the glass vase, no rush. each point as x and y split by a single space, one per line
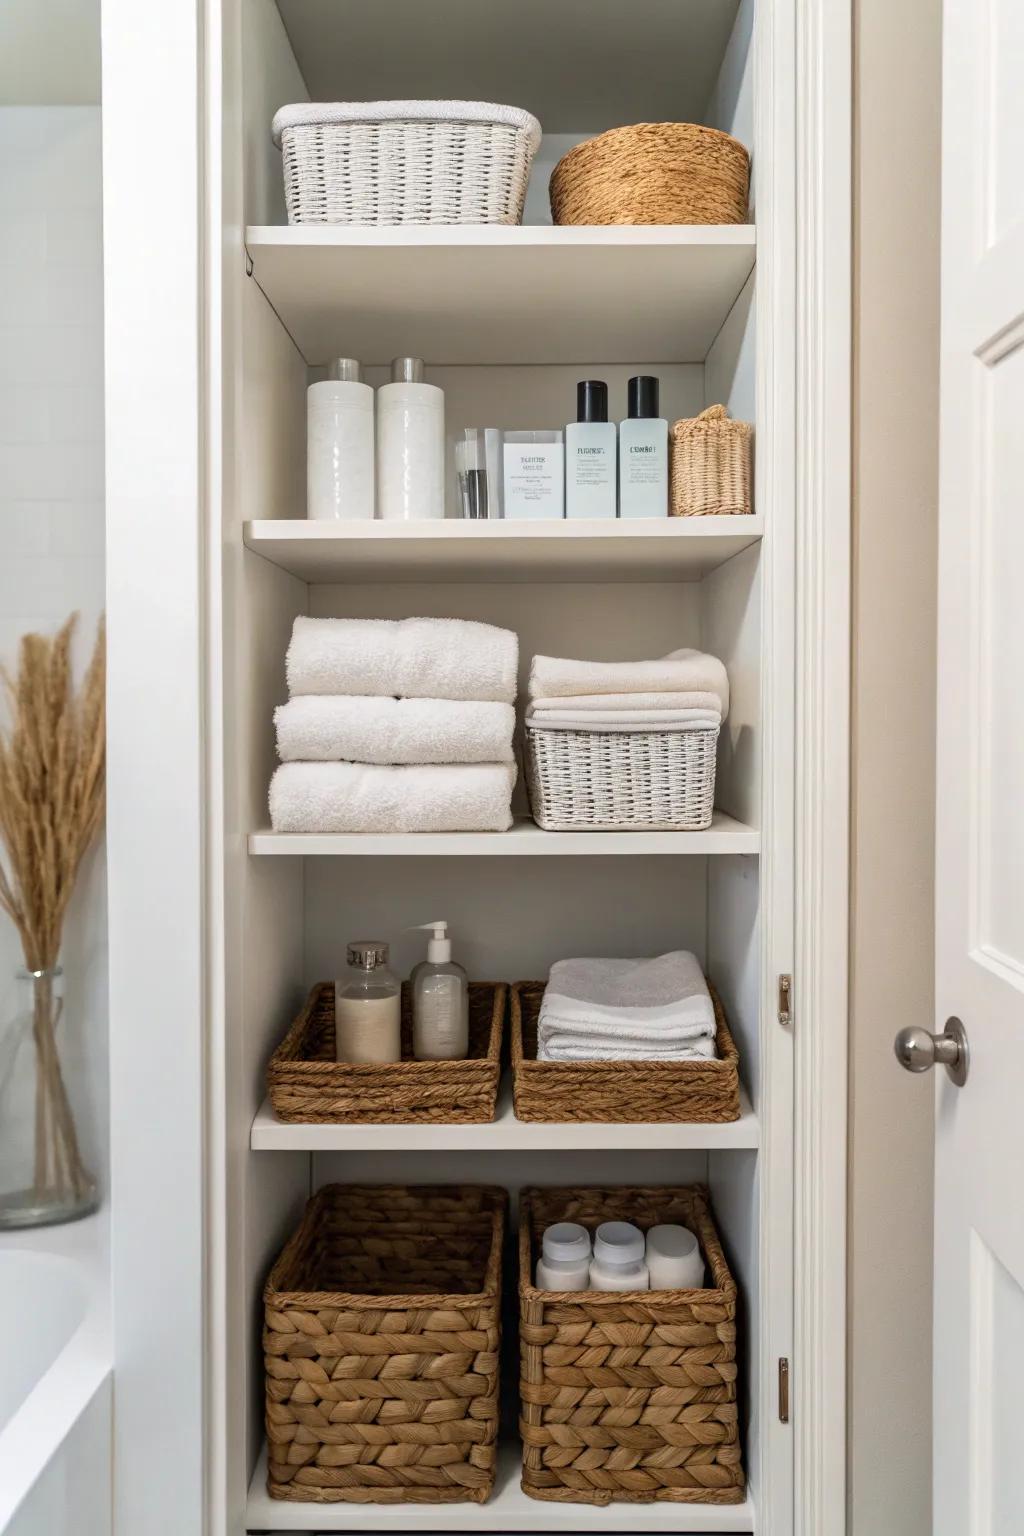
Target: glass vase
43 1179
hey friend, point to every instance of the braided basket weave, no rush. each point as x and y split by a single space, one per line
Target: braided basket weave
381 1347
628 1396
653 173
620 1092
307 1085
710 466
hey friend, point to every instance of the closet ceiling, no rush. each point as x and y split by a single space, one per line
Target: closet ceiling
669 54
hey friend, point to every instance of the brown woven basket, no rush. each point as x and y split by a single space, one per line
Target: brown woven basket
307 1085
710 466
630 1396
623 1092
653 173
381 1347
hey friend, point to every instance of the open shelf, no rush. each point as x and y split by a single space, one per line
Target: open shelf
580 550
525 839
508 1509
504 1134
648 61
503 294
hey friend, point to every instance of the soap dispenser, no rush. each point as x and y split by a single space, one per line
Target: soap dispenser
440 1001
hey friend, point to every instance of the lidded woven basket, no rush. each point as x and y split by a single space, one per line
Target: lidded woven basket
406 162
628 1396
380 1342
653 173
710 472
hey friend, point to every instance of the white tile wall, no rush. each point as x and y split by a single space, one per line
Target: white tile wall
51 491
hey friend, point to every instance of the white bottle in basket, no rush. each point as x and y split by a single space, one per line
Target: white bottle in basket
440 1001
619 1262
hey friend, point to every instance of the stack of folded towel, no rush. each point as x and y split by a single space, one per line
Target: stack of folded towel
396 726
686 690
627 1010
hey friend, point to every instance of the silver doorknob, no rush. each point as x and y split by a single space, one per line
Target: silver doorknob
918 1051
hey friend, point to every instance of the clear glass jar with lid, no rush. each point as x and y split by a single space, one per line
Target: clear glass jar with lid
368 1006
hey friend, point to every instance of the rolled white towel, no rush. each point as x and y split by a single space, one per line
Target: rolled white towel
624 720
325 728
360 797
683 671
657 1009
409 658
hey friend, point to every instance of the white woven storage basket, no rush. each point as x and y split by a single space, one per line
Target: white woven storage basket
657 781
406 162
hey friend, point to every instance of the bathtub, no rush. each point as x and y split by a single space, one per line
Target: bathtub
55 1382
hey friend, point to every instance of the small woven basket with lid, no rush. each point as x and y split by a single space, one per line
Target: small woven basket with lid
710 466
380 1343
628 1396
653 173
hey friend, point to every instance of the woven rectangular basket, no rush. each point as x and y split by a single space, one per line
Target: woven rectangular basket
380 1342
620 1092
406 162
307 1085
628 1396
656 781
710 466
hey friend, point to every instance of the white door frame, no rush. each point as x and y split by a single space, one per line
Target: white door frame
161 105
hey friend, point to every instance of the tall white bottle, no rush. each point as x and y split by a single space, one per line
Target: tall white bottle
643 453
440 1001
590 442
410 445
339 444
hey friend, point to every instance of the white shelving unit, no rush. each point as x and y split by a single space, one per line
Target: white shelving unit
221 927
507 320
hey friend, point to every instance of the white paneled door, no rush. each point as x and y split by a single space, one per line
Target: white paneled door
979 1239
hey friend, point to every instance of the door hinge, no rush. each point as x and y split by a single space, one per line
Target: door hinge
783 1390
785 999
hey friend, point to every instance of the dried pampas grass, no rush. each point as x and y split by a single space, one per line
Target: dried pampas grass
52 777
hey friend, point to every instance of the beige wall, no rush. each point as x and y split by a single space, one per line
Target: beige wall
896 212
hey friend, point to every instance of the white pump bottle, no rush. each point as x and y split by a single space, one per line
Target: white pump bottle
440 1001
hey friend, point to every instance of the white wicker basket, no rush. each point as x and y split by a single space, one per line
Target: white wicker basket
406 162
657 781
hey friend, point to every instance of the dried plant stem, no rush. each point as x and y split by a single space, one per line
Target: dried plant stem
52 771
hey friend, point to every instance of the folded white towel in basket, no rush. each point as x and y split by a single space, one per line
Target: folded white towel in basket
361 797
631 701
325 728
410 658
683 671
627 1010
624 720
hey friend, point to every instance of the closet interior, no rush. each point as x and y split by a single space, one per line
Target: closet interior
507 319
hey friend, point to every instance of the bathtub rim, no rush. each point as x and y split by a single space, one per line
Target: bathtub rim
45 1418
